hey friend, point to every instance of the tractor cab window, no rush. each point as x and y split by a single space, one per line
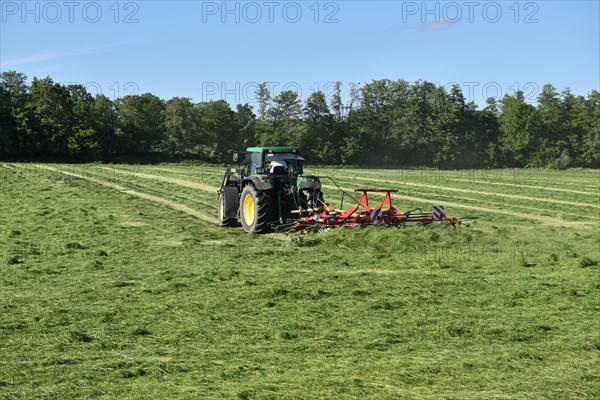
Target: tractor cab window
292 162
255 162
295 167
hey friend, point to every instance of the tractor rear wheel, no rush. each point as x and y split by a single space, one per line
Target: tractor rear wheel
255 210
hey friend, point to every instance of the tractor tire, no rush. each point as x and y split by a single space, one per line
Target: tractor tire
312 199
228 206
255 210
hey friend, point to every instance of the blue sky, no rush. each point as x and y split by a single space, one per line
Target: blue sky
219 50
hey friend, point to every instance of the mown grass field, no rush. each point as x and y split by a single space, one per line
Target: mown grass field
115 283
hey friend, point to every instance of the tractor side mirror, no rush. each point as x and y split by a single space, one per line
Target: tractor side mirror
236 156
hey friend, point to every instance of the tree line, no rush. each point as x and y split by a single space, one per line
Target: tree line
384 122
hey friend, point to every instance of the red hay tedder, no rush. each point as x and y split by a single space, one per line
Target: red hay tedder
363 215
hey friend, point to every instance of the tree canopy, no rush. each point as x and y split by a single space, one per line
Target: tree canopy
384 122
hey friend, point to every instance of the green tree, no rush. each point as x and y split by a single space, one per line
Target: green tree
245 120
337 105
376 117
105 123
8 126
546 140
140 120
549 108
573 126
589 152
384 121
219 130
19 126
488 131
517 127
442 125
181 126
285 118
52 107
349 135
14 84
461 146
85 141
319 137
416 119
263 97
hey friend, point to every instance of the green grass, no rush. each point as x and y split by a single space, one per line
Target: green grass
107 295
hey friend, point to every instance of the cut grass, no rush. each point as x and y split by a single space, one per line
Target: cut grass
106 294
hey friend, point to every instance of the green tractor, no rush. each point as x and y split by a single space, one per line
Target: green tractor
270 189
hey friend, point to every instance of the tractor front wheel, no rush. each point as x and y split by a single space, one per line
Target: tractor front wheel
255 210
224 221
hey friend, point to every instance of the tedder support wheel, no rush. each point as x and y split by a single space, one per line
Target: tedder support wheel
255 210
228 206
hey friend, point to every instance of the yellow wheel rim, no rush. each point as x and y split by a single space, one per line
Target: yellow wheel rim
221 209
249 209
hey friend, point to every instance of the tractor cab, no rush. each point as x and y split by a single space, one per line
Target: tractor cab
273 160
284 164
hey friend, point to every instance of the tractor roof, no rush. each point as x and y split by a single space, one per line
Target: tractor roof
273 150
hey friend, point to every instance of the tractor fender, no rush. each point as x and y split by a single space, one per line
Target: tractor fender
258 184
310 182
